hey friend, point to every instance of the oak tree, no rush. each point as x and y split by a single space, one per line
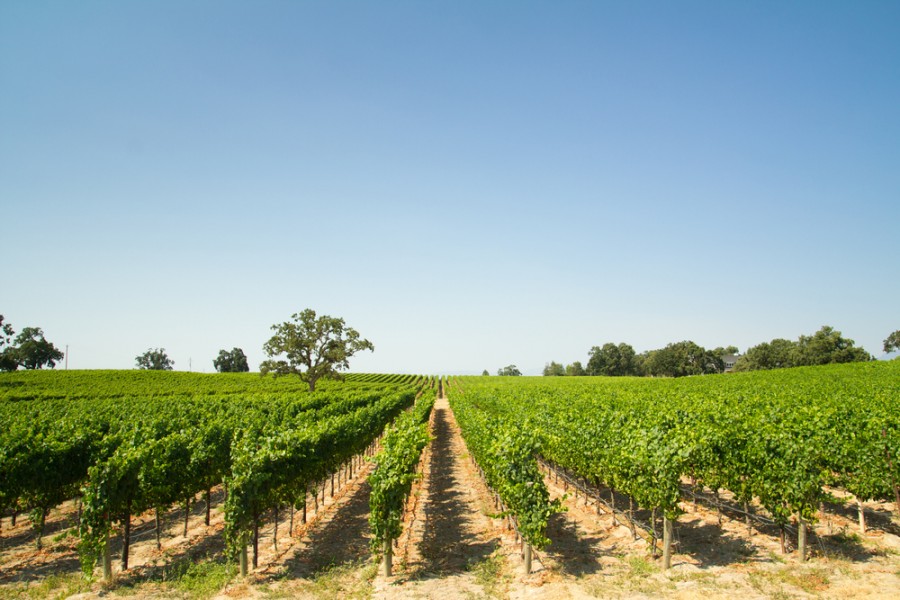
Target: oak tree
154 360
890 344
231 362
312 347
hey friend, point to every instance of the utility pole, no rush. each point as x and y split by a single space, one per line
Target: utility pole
67 357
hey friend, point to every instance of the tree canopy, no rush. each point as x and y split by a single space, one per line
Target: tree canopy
313 347
681 359
35 352
231 362
776 354
575 369
29 349
891 343
612 360
509 370
824 347
554 369
154 360
827 346
8 360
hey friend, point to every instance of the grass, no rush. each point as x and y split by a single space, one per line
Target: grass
638 574
489 574
52 586
195 580
345 581
203 579
811 580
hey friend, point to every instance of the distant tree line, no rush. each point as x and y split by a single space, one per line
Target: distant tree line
684 358
824 347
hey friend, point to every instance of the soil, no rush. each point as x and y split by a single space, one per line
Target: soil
456 546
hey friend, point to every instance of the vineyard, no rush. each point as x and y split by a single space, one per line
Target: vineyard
798 461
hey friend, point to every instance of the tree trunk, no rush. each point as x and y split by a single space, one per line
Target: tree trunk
42 519
304 510
255 542
718 507
208 496
747 518
387 561
126 536
667 542
801 540
275 534
107 560
824 516
158 542
187 513
631 517
862 516
243 560
291 526
890 462
332 485
781 539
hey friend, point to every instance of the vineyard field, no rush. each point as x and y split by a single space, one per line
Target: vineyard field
167 484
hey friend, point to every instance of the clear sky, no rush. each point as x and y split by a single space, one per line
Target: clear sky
468 184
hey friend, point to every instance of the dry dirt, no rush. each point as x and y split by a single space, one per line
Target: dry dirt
456 547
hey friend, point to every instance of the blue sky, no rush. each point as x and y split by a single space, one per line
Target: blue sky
468 184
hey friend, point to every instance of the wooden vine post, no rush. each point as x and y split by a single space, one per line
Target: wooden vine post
527 558
107 560
667 542
801 539
243 560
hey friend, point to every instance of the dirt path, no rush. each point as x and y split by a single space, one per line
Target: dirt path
455 549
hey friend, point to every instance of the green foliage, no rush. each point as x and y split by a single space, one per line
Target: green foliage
554 369
8 359
231 362
35 352
575 369
154 360
681 359
612 360
395 470
133 440
29 349
272 466
509 370
505 450
321 345
6 333
891 342
777 354
826 346
779 436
